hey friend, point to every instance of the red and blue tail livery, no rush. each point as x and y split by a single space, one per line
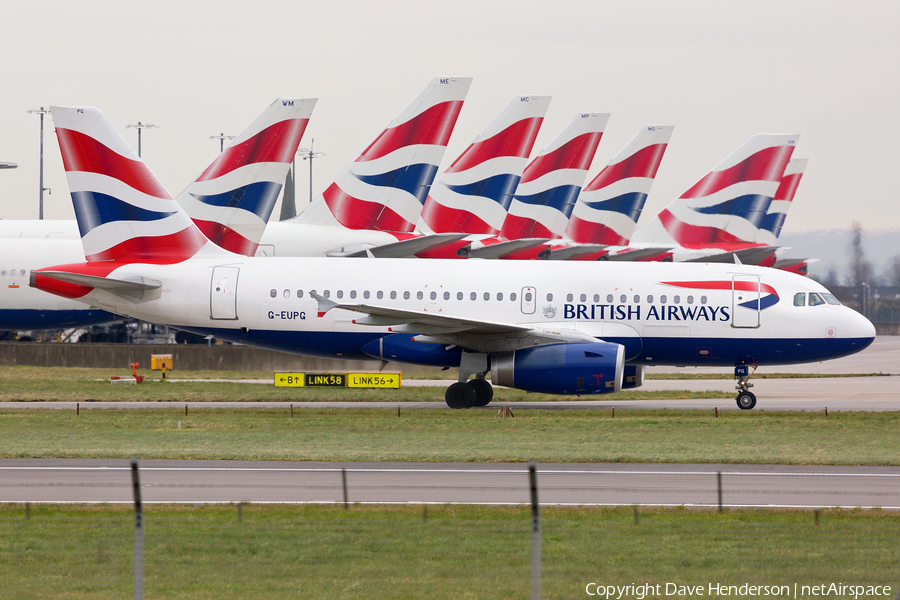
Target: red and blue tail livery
551 183
610 205
385 188
124 214
728 205
474 193
232 200
771 226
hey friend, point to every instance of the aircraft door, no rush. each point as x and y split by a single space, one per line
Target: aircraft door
529 300
223 293
745 301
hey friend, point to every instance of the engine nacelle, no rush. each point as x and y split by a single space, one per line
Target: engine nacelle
401 347
577 368
633 377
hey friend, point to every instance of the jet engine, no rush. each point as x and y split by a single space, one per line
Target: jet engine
633 377
577 368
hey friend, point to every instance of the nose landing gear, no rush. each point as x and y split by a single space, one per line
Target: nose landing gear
746 399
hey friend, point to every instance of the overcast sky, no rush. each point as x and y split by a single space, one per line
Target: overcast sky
718 71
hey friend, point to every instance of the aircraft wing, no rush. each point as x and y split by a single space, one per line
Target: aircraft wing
472 334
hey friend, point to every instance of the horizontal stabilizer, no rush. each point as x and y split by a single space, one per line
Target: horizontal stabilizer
405 248
575 252
746 256
133 288
636 254
502 249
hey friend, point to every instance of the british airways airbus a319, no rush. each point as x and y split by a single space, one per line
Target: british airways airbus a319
553 327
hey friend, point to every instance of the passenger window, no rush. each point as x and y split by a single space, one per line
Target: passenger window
596 297
499 296
406 295
380 294
512 296
472 296
800 299
569 297
366 294
459 295
815 299
583 297
549 298
393 295
609 298
419 295
623 299
662 299
677 299
434 295
487 295
287 293
527 296
637 299
702 299
340 294
299 293
650 299
446 295
352 294
690 299
327 293
273 293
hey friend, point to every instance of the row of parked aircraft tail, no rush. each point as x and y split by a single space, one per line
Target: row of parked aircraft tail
579 327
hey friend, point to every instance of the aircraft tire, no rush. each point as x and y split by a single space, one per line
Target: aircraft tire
460 395
746 400
483 391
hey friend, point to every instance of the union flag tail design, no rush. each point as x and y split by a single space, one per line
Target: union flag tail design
232 200
609 206
552 181
474 193
385 188
729 204
124 214
781 204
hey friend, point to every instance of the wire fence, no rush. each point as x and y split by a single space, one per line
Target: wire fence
435 532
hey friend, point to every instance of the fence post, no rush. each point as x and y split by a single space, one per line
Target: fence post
719 485
138 533
535 535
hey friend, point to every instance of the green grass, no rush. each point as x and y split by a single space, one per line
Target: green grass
293 552
446 435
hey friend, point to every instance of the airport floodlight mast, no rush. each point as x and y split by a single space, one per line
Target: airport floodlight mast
41 111
308 154
222 137
140 126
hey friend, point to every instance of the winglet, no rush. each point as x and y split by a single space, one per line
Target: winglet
324 303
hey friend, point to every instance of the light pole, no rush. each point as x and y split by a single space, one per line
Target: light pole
140 126
221 137
308 154
41 111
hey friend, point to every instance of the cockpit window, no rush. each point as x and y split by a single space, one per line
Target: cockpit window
815 299
800 299
830 299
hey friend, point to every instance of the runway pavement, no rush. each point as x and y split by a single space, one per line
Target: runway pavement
173 481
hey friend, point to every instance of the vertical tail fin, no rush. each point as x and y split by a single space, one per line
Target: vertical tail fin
232 200
474 193
124 214
385 188
609 206
730 202
551 182
771 226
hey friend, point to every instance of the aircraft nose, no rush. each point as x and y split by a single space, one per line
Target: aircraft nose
861 327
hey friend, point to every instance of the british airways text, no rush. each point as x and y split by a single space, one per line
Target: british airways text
632 312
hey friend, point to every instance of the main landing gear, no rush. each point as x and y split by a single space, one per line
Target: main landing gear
746 399
477 392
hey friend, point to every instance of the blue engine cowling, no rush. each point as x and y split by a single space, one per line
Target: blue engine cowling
578 368
401 347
